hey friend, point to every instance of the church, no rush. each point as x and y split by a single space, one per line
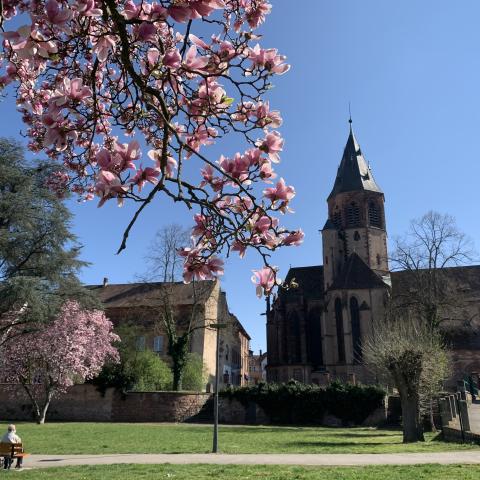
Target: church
315 326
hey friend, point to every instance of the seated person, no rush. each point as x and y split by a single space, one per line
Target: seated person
11 437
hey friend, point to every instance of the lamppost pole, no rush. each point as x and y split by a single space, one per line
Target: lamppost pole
217 326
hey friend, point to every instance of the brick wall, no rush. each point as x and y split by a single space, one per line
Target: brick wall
83 403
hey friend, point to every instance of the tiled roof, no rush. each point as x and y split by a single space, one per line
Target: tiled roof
123 295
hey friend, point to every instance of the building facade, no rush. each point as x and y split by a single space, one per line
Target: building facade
202 303
316 324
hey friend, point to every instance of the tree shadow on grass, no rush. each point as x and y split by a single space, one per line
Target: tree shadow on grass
341 444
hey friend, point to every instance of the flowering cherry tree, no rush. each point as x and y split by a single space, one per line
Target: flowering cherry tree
124 95
47 361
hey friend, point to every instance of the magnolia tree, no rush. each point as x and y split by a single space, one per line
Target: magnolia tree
71 348
124 94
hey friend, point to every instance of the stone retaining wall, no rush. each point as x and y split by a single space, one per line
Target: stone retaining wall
83 403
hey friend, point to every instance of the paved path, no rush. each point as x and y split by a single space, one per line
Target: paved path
443 458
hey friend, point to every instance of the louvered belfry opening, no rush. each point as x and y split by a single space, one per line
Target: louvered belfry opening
374 215
353 215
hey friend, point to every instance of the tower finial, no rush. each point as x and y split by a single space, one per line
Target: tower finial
349 115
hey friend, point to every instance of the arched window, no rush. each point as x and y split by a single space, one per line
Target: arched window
296 345
339 325
314 337
353 215
356 333
374 215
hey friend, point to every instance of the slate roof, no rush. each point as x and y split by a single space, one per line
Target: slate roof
309 279
124 295
464 278
353 174
356 274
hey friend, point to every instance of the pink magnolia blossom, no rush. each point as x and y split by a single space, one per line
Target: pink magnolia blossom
55 14
265 279
294 238
280 192
193 62
272 144
95 80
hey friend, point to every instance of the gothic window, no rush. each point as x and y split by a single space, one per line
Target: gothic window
337 219
296 353
374 215
379 260
314 337
356 334
356 236
339 326
353 215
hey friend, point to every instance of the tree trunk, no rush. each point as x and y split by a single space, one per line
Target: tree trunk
177 376
412 427
432 419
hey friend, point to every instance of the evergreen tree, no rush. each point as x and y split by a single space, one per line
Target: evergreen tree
38 253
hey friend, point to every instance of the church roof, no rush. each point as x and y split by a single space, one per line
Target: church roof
356 274
309 280
353 173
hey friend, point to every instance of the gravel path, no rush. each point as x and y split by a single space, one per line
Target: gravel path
442 458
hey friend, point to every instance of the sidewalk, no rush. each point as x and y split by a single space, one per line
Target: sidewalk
442 458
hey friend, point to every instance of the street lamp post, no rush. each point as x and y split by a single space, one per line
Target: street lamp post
217 326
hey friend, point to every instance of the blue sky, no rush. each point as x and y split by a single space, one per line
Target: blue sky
411 71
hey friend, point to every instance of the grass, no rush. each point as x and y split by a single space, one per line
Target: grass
99 438
240 472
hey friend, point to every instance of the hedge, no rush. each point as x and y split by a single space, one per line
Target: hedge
298 403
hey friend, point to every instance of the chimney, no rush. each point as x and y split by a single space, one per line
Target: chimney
105 281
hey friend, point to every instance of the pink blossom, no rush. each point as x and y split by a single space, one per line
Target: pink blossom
268 59
156 156
265 280
87 8
257 11
145 175
272 144
192 62
103 46
172 59
279 192
146 32
294 238
55 14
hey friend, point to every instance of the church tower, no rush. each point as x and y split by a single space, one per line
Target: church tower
355 264
356 217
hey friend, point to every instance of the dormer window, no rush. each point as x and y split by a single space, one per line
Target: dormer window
353 215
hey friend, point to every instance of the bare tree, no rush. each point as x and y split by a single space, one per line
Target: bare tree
163 259
432 243
412 357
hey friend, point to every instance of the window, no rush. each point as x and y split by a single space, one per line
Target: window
158 344
140 344
353 215
314 337
356 236
339 326
374 215
356 333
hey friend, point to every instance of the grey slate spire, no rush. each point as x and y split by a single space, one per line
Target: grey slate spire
353 173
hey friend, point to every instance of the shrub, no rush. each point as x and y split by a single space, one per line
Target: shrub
194 375
298 403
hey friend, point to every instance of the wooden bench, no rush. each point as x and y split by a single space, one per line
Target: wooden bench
12 451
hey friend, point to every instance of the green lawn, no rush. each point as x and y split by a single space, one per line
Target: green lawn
239 472
96 438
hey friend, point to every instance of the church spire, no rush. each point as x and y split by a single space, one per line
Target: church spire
353 173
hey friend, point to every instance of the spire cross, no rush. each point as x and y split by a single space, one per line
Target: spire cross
349 115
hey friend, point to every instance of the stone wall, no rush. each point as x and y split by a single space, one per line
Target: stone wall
83 403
